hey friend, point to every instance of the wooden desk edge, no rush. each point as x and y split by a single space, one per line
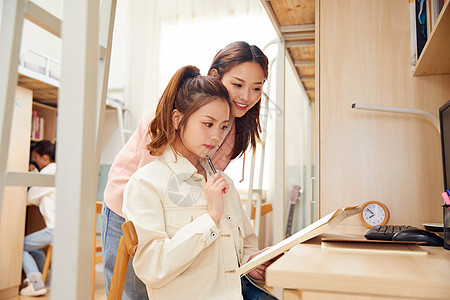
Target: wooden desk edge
310 280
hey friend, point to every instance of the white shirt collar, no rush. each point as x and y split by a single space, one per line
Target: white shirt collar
181 166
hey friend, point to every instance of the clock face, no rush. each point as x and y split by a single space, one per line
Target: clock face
374 213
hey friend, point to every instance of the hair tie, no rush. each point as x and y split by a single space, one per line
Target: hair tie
196 74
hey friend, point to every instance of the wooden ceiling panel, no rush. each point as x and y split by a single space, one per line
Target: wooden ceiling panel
294 12
311 94
302 53
309 84
306 71
294 22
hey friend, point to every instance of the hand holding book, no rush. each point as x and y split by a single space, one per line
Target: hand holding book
259 273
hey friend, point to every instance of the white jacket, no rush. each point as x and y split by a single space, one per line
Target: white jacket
45 198
182 253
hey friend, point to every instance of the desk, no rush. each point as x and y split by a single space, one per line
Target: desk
330 275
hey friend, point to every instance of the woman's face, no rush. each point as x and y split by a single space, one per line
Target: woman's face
41 160
204 130
244 83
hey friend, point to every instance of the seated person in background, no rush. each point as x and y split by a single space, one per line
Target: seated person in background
192 229
33 167
45 198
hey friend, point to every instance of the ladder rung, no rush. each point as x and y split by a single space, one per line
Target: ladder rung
43 18
29 179
39 16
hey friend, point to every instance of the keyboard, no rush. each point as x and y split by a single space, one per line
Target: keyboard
385 232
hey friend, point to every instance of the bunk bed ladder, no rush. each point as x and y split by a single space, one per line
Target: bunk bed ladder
122 109
86 35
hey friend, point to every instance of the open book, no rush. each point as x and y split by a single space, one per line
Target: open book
313 230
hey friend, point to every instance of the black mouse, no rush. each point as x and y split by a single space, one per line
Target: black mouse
419 235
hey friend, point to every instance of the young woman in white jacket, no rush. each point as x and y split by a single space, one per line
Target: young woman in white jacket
192 229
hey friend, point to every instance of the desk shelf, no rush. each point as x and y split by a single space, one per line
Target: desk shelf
435 55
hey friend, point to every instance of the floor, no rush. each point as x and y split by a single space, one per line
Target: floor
100 293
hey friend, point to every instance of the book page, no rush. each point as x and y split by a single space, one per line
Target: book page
313 230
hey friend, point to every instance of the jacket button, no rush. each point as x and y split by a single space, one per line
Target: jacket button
213 234
229 218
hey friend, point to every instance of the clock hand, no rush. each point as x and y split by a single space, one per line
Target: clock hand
370 211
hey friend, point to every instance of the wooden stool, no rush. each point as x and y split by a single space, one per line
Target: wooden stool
48 257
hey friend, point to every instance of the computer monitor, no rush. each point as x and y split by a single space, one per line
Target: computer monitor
444 120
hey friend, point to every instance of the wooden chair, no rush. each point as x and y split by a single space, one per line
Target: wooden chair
97 247
127 248
48 258
265 208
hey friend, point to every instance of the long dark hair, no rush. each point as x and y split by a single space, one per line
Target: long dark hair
186 91
248 127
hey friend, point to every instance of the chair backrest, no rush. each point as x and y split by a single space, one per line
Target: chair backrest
127 248
130 236
96 248
265 208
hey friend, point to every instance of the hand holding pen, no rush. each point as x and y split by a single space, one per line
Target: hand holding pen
214 189
213 169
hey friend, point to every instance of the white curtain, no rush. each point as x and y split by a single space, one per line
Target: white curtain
157 45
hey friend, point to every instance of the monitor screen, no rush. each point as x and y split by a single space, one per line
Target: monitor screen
444 120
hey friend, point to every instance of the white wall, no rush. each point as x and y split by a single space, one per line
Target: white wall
111 144
119 70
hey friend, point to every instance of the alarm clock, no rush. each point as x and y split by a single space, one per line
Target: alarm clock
374 213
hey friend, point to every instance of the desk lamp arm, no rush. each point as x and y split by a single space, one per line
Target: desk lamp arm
431 117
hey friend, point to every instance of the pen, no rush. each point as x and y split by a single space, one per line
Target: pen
213 169
211 164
